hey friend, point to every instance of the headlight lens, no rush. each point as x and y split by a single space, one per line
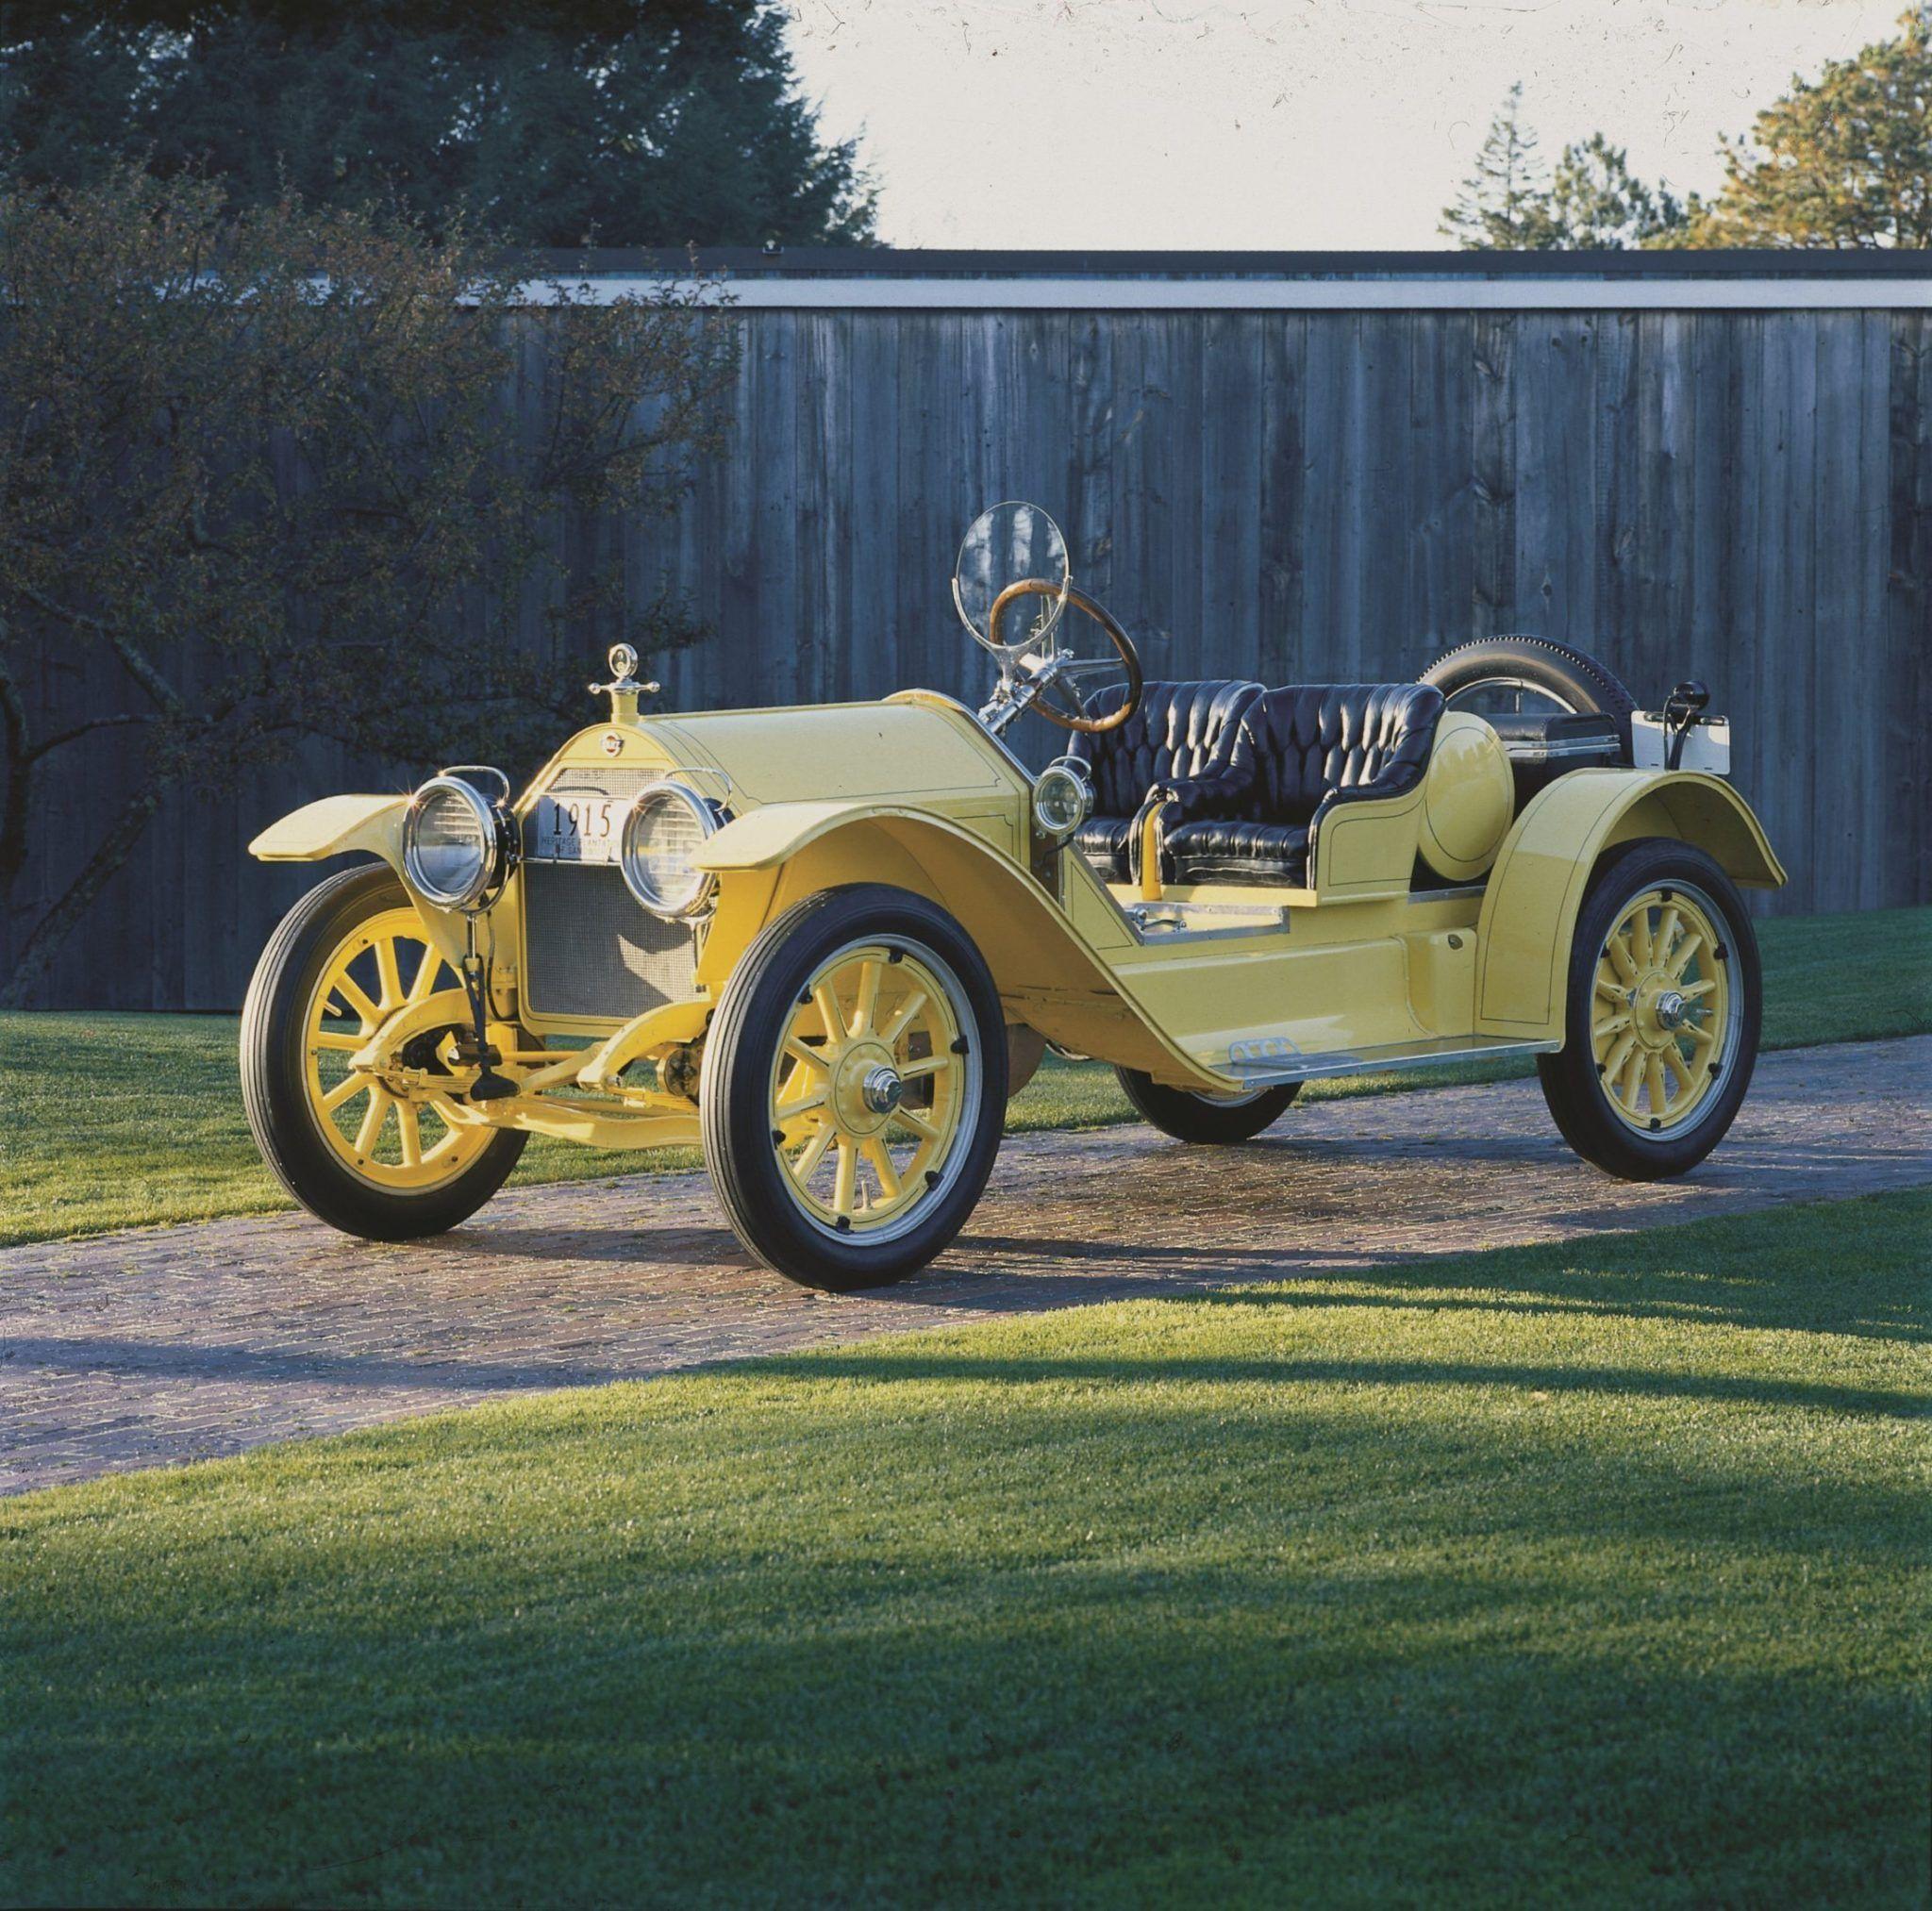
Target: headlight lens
666 827
1062 798
452 851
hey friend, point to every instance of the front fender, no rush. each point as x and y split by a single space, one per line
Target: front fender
1048 959
1536 889
337 825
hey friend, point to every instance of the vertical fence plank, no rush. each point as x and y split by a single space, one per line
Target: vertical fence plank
1228 599
1492 455
1906 704
1279 503
1437 472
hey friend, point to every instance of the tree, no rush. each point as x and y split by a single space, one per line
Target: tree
262 465
1504 203
1844 160
1597 204
547 121
1593 202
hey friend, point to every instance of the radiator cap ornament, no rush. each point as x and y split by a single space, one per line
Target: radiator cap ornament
623 689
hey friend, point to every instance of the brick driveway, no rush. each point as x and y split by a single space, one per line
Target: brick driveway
143 1349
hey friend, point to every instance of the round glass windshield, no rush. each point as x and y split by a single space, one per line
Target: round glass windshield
1005 544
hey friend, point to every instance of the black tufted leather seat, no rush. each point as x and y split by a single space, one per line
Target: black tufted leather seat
1297 754
1181 733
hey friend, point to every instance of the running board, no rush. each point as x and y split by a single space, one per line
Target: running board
1270 1060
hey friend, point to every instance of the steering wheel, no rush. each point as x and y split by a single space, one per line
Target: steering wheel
1060 669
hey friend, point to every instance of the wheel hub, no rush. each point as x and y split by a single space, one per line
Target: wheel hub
1662 1009
866 1088
1659 1010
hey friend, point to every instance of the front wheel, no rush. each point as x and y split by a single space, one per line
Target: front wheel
1664 1003
365 1160
1209 1119
854 1087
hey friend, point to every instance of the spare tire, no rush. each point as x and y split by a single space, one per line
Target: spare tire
1523 675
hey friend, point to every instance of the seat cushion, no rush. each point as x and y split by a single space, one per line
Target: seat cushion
1102 841
1296 746
1236 852
1179 730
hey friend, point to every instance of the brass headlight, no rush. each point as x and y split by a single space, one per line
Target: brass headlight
454 849
666 827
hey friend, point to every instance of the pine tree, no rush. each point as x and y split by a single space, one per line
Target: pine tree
1593 202
1597 204
1504 203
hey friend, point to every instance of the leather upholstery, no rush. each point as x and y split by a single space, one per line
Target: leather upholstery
1297 754
1237 853
1181 730
1102 841
1296 746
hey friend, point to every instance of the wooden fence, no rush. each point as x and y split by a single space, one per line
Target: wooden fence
1293 489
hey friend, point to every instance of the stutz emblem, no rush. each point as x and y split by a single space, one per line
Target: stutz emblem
613 743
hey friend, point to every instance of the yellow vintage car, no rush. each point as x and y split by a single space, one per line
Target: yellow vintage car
829 944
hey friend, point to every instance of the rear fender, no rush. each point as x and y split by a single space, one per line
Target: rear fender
1536 890
1047 960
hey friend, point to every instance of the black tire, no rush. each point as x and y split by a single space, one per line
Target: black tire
1577 681
1205 1118
752 1018
274 1077
1573 1086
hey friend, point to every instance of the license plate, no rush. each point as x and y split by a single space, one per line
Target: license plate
578 826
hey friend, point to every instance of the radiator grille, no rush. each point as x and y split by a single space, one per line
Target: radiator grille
594 950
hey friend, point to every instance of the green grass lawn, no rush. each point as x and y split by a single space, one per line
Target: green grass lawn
1590 1573
124 1120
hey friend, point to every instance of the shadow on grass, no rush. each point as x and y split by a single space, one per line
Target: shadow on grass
308 1367
1156 1370
1430 1659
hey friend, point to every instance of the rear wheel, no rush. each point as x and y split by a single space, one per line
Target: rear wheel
1664 1005
1210 1119
370 1162
854 1087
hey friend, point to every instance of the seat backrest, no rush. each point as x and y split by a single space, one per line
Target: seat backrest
1180 730
1294 745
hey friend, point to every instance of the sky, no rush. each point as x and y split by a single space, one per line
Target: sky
1259 124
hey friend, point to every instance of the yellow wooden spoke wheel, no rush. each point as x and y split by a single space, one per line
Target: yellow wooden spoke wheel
855 1085
868 1087
382 1159
1661 1022
1661 1008
388 1139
